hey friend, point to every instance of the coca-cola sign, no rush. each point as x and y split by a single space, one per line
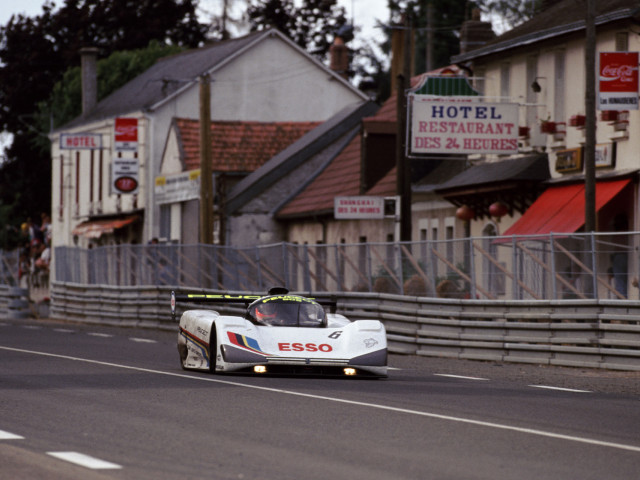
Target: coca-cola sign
618 81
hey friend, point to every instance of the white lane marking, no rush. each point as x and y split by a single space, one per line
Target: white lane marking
547 387
96 334
9 436
142 340
459 376
31 327
84 460
63 330
530 431
2 324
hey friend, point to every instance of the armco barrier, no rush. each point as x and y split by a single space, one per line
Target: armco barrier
578 333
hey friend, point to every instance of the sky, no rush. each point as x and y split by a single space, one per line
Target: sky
364 12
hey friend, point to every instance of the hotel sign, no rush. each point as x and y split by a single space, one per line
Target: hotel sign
80 141
457 126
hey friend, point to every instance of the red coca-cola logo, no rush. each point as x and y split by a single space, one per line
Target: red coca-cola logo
624 73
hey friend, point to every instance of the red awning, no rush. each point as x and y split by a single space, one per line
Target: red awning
96 228
561 209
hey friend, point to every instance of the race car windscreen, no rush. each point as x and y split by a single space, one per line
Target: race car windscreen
280 312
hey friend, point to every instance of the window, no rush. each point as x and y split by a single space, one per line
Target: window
165 221
622 42
505 81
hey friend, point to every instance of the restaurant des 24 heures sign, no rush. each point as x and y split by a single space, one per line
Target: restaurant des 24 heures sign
462 126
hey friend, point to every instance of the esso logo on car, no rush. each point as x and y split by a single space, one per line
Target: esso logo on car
304 347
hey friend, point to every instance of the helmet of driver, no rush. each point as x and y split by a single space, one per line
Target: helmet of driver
265 312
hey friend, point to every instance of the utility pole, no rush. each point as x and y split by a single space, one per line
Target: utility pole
403 171
206 183
590 121
430 30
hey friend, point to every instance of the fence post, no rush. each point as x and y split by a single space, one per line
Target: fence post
306 269
514 260
285 265
472 269
554 279
594 265
400 266
259 269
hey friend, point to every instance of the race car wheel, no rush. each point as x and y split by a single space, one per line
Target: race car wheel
183 352
213 349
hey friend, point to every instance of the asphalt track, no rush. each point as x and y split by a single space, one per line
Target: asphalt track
91 402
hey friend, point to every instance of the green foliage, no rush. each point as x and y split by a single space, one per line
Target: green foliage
65 102
313 25
40 82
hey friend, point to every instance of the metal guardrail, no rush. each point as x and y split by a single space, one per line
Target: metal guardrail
539 267
577 333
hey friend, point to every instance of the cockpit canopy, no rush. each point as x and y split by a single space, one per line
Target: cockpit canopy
287 311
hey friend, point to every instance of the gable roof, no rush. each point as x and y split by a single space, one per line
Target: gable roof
238 146
166 77
325 139
561 18
342 177
171 75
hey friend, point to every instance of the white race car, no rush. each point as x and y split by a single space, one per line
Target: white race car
279 334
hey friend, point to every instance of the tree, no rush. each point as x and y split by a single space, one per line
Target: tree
36 52
65 101
513 13
448 16
313 26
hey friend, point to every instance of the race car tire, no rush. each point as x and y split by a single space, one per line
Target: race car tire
183 352
213 349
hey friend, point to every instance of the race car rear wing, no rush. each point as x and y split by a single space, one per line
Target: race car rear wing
332 302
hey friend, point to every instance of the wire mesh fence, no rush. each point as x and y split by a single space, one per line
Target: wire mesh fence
557 266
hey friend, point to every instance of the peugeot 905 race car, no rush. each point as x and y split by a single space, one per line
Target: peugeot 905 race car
279 334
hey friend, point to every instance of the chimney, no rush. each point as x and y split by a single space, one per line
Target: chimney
339 62
89 69
475 33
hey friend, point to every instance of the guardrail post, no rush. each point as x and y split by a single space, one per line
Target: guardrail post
472 268
514 261
554 279
594 264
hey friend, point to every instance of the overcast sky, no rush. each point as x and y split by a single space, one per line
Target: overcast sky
364 11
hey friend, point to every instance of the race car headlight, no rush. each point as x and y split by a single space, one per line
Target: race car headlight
260 369
349 371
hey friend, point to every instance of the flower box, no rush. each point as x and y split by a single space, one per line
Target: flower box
523 132
577 121
609 115
548 127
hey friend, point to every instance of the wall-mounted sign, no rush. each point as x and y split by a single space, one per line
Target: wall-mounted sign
569 160
358 208
179 187
125 175
80 141
605 155
618 81
461 126
126 134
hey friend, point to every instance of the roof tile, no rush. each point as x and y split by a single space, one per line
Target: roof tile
239 146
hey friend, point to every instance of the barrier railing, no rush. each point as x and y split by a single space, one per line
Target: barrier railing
578 333
542 267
